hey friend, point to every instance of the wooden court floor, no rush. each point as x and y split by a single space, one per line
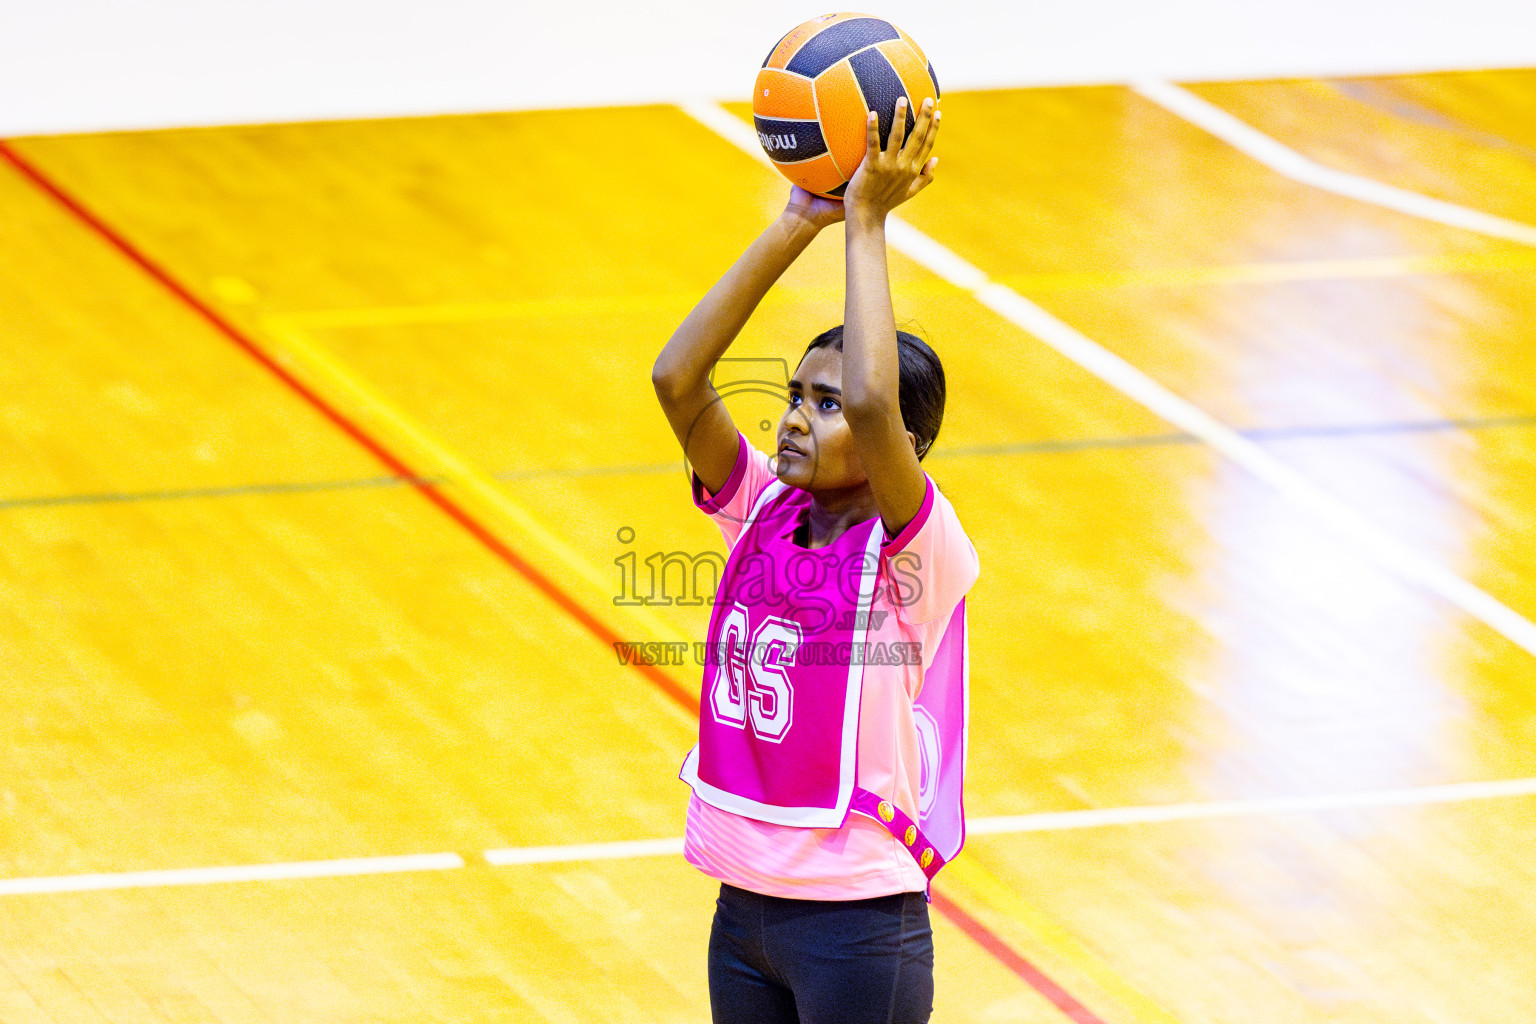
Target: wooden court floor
325 447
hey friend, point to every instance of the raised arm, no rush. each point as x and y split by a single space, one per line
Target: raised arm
681 374
871 378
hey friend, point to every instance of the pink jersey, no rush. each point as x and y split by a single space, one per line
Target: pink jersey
923 575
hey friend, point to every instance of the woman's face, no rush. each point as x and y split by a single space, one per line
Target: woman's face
816 449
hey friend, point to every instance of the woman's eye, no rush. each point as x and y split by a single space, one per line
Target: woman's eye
829 401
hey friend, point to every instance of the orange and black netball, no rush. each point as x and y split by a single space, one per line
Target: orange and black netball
817 87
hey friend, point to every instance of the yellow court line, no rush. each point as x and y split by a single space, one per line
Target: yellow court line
608 305
1052 936
612 305
463 312
298 347
1233 273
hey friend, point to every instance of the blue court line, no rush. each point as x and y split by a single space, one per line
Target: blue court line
640 469
318 486
114 497
1366 93
1254 434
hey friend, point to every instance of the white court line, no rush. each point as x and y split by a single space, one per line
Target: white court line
1284 160
235 873
1056 821
1049 821
1401 559
584 851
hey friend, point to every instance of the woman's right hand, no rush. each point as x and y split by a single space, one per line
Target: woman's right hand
813 209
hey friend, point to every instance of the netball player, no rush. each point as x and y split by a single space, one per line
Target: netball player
817 779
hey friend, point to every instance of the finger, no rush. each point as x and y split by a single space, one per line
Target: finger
921 125
925 178
929 138
898 127
872 134
917 142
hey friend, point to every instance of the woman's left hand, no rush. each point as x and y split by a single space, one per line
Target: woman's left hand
889 177
817 211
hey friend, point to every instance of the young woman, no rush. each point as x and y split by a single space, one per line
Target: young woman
837 669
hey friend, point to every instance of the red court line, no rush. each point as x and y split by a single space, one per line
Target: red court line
663 682
983 936
1009 958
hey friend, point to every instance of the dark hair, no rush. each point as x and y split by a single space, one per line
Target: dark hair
920 388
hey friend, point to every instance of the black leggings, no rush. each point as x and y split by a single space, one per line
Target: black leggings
774 960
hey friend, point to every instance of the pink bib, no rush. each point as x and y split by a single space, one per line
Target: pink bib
783 678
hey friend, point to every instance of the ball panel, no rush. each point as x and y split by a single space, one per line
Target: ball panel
836 41
882 87
789 141
781 94
915 48
785 48
913 72
841 108
769 61
819 175
934 79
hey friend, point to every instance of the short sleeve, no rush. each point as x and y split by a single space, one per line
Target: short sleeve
750 477
931 562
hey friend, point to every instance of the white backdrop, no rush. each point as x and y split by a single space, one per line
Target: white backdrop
89 65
